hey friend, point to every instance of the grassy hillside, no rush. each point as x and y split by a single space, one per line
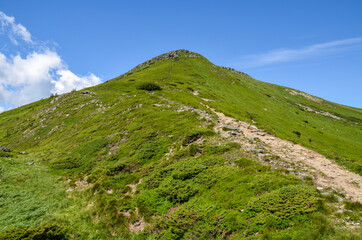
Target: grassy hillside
121 159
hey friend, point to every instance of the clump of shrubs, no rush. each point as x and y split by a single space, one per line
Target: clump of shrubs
149 86
53 232
297 133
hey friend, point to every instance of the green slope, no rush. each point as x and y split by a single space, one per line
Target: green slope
96 145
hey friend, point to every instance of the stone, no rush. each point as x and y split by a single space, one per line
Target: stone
259 151
235 133
86 92
253 127
30 163
228 127
139 105
232 164
251 138
339 199
255 150
4 149
261 143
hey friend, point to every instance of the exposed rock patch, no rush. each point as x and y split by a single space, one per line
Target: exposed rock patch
168 56
307 96
232 69
327 114
86 92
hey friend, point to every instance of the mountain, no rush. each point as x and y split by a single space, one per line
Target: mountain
179 148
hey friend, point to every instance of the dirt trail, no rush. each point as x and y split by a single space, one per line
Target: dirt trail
327 173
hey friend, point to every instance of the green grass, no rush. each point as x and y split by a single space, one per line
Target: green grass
29 194
189 189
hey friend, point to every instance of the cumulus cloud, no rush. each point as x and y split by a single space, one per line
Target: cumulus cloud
69 81
288 55
14 30
24 79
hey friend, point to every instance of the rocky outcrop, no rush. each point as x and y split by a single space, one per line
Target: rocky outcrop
86 92
232 69
167 56
231 128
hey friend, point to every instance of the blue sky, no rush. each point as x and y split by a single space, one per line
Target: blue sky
313 46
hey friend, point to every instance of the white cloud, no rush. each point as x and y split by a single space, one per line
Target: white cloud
23 80
15 29
2 109
69 81
36 75
288 55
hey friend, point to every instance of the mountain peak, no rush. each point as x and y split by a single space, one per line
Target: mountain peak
168 56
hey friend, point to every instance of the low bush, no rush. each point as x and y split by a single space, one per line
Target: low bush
44 232
297 133
281 205
177 191
149 86
195 135
5 154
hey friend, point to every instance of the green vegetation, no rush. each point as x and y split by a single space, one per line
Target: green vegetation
127 163
149 86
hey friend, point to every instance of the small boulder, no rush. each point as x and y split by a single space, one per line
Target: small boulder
261 151
86 92
252 127
30 163
4 149
256 150
235 133
231 128
251 139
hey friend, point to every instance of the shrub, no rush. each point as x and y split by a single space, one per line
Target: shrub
194 149
149 202
5 154
195 135
187 170
149 86
149 151
114 170
43 232
217 149
297 133
191 138
283 204
176 191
